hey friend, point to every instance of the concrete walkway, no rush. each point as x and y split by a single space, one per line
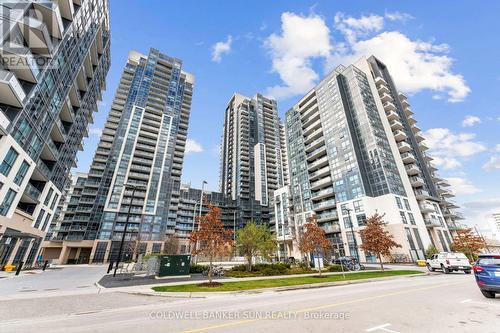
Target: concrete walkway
146 289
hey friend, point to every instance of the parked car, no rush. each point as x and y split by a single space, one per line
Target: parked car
487 273
449 262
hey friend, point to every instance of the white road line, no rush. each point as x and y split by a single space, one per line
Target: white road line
480 303
381 328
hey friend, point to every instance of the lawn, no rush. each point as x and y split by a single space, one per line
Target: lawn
282 282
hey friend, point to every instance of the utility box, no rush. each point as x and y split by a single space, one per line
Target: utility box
174 266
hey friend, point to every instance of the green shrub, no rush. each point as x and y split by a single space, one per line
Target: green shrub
303 265
335 268
240 274
197 269
238 268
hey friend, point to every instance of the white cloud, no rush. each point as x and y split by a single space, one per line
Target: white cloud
497 148
398 16
446 163
416 65
493 163
447 147
220 48
302 38
95 131
193 147
476 211
470 121
462 186
353 27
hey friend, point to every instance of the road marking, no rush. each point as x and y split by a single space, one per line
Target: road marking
481 303
406 291
381 328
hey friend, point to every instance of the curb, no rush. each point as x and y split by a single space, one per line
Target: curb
273 289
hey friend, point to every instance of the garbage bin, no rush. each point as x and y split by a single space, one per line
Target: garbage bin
174 265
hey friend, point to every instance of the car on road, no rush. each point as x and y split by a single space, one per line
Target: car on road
487 273
449 262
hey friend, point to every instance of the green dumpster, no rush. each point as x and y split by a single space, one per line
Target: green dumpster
174 265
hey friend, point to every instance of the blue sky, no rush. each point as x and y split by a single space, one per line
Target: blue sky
444 54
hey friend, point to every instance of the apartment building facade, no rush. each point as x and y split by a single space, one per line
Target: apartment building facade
253 157
189 210
135 176
351 156
55 57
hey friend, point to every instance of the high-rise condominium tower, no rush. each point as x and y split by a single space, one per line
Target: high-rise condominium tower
253 156
135 175
355 150
54 60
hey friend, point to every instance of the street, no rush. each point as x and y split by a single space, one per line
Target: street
54 281
433 303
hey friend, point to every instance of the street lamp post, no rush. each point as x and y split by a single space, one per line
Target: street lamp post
133 187
201 198
201 206
352 232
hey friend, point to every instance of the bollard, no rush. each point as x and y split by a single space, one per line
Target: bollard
45 265
19 267
110 267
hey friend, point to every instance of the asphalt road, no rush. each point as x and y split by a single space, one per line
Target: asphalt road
435 303
53 282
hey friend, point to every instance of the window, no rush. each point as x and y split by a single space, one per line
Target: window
156 248
398 201
361 219
21 173
52 205
419 240
39 218
412 218
7 202
410 239
358 206
407 204
347 222
49 195
46 222
403 217
344 209
8 161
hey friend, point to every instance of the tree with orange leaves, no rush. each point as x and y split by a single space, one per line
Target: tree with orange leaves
468 243
377 240
314 240
212 238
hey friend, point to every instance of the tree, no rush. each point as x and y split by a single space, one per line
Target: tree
468 243
377 240
431 250
255 240
171 245
211 238
314 240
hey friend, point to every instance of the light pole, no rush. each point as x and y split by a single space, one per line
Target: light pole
194 220
201 206
201 199
349 210
133 187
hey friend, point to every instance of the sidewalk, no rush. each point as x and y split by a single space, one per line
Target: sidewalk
167 282
143 290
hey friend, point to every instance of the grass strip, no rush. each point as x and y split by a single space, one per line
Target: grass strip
282 282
